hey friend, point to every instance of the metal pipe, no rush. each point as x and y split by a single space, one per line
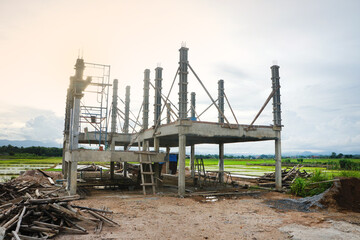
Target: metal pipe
192 70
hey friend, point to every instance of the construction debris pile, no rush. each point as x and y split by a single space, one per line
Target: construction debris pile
34 210
288 177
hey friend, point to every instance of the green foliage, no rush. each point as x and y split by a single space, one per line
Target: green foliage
350 174
286 160
349 165
310 187
38 151
300 160
52 160
298 187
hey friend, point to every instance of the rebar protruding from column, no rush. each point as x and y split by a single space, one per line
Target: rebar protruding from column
193 105
168 113
183 82
145 124
276 98
221 100
157 101
114 113
127 109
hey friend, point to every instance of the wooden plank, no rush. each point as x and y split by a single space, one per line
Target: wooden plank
15 235
2 233
19 220
103 218
92 209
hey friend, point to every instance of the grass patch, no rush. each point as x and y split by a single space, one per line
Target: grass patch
51 160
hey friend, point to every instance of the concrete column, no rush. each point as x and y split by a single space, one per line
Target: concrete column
127 109
221 120
192 161
157 100
275 78
146 99
167 163
183 82
181 160
278 178
156 165
221 100
168 113
113 124
193 105
72 168
221 162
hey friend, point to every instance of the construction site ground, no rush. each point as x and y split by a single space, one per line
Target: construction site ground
247 216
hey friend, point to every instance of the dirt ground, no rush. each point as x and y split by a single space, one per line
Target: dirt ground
170 217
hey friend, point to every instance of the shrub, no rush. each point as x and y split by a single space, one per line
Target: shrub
348 164
298 187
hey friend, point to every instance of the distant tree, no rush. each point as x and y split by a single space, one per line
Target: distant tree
340 155
333 155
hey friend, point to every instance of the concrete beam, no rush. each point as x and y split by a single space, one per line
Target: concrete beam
87 155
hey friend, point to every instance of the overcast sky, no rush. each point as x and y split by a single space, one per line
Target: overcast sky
315 43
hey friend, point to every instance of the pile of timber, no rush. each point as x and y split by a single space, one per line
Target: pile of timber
33 210
288 176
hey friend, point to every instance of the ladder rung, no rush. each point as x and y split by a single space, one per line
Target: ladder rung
148 184
148 173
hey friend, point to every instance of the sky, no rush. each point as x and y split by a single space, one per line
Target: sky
315 43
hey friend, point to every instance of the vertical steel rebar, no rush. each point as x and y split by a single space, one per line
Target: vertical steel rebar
157 101
146 99
183 82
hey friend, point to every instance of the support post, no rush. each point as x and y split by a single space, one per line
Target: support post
183 82
157 100
146 99
278 177
221 120
192 161
275 77
157 165
181 176
72 167
77 87
113 124
181 161
167 163
221 162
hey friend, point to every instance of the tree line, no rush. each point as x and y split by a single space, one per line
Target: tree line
38 151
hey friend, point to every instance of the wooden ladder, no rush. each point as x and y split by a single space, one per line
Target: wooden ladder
143 173
199 165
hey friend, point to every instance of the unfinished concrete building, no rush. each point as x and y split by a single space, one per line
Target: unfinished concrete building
179 130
